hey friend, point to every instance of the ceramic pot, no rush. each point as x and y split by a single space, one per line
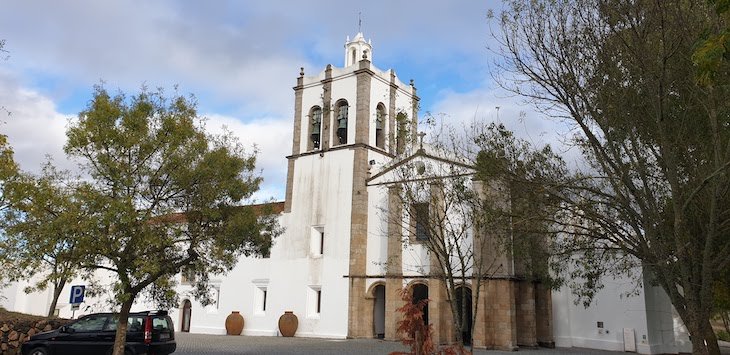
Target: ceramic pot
234 323
288 324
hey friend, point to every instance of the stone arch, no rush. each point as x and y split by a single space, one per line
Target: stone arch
377 293
419 291
186 315
465 308
315 128
401 134
380 124
341 121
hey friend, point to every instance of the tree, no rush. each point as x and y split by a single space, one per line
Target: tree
462 215
41 227
162 196
8 172
654 188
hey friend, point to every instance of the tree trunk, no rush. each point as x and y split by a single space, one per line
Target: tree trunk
704 341
57 289
121 337
725 320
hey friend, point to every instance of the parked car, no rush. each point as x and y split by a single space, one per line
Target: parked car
148 332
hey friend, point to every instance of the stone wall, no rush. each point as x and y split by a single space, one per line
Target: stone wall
14 332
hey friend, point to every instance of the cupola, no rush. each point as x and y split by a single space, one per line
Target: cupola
357 49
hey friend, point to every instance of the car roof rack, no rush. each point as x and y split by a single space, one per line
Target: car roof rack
152 312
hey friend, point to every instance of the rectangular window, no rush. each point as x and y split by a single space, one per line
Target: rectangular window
421 219
317 241
319 301
260 296
264 305
314 301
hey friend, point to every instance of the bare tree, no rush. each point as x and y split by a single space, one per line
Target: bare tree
462 217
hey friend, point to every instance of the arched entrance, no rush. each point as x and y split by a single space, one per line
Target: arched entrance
379 312
186 314
420 292
463 302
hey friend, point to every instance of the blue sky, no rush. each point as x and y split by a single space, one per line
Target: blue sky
241 60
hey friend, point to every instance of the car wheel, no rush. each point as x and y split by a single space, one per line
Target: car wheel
39 351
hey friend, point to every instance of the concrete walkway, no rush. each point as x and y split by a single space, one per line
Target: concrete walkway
188 344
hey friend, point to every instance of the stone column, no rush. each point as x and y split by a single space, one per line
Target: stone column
439 312
360 319
326 108
296 141
496 326
525 302
392 114
394 266
544 315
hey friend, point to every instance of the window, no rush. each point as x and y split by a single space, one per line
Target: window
314 301
380 126
402 134
319 302
342 121
93 323
263 306
315 127
260 297
316 245
134 323
421 219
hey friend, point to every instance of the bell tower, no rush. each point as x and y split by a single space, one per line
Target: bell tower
344 124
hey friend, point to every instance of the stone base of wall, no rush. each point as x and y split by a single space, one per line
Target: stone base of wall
15 332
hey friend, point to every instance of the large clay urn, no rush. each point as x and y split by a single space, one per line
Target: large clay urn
288 324
234 323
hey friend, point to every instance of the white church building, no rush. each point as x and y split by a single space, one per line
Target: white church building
340 262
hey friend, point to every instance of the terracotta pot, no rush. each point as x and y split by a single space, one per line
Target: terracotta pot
288 324
234 323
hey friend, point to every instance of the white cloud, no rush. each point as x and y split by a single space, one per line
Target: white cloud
272 137
34 127
460 109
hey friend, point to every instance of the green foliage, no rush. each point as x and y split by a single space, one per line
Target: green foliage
41 227
643 85
712 52
163 193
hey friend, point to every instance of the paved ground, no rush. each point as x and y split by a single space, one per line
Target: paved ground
189 344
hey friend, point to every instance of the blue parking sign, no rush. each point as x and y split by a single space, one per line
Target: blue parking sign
77 294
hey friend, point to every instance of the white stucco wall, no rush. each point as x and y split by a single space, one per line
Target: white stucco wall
648 313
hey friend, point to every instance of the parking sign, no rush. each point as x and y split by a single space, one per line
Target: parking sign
77 294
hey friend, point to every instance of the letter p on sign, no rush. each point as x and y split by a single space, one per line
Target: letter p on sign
77 294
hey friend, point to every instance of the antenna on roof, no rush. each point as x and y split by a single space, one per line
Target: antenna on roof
359 22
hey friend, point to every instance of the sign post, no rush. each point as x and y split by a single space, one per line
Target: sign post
77 296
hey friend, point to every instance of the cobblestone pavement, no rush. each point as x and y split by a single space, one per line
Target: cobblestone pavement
189 344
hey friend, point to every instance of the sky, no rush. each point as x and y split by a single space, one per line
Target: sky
240 59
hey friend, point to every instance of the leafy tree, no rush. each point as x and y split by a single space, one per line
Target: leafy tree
651 118
162 196
41 228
